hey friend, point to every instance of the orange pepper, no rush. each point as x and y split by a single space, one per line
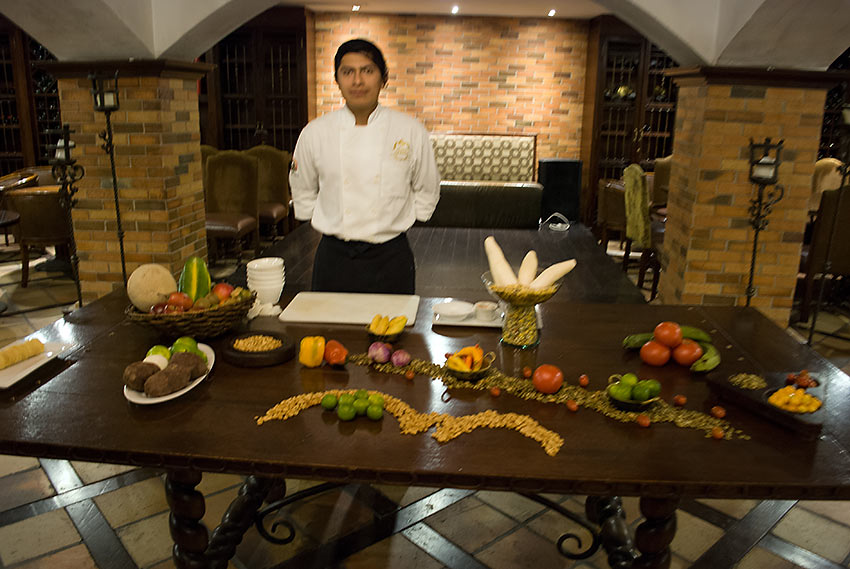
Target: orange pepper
312 351
335 353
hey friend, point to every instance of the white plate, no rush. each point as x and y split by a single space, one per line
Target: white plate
140 398
456 310
348 307
14 373
474 321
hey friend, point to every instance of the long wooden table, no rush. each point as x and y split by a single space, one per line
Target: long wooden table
74 409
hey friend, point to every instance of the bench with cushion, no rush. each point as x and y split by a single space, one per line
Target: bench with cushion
487 181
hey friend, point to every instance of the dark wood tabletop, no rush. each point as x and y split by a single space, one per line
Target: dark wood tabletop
450 261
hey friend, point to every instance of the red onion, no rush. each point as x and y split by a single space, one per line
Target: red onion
400 358
379 352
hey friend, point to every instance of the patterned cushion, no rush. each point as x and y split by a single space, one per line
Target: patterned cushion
485 157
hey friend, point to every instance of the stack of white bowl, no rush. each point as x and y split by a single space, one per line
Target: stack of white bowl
266 277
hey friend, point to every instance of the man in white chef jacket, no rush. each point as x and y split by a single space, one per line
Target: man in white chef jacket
363 175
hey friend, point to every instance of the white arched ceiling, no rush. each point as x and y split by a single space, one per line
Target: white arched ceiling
757 33
86 30
742 33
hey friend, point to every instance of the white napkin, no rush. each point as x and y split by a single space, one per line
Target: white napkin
263 309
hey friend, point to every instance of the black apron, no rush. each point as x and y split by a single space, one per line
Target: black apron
358 266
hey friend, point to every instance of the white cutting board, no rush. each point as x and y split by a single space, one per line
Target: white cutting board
348 307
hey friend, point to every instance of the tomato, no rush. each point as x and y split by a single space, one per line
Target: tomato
495 391
669 334
680 400
547 378
718 411
643 420
571 405
409 374
180 299
526 372
583 380
717 433
655 353
687 352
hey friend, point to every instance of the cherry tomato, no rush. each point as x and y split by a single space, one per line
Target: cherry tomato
687 352
642 420
669 334
717 433
583 380
655 353
718 411
495 391
571 405
409 374
680 400
547 378
526 372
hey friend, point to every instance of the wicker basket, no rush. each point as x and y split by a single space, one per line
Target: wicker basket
203 324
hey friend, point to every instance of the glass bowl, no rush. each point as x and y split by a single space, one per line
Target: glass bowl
519 328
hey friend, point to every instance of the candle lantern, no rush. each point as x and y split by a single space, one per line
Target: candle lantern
105 94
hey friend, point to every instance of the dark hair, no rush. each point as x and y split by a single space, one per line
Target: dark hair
365 47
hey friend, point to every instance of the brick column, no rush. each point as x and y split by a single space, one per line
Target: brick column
158 167
708 241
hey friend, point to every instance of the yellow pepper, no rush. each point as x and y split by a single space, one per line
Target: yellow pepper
312 351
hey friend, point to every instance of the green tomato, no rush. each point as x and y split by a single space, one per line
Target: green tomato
185 341
621 391
329 401
360 405
345 412
629 379
159 350
361 394
346 399
376 399
375 412
653 385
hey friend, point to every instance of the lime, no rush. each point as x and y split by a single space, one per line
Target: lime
183 348
345 412
329 401
200 354
629 379
654 386
360 405
620 391
641 392
375 412
159 350
376 399
185 341
361 394
346 399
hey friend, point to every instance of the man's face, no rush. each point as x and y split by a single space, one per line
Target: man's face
360 81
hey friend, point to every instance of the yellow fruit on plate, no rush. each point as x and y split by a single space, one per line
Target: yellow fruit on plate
396 325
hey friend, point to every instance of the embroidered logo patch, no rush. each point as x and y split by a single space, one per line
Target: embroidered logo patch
293 167
401 150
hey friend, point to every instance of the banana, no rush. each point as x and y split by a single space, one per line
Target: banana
694 333
635 341
375 324
381 330
396 325
710 358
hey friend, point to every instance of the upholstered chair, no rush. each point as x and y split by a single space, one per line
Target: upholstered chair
232 211
272 187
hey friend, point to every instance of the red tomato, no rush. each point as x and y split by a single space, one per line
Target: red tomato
526 372
717 433
643 420
571 405
547 378
687 352
495 391
180 299
583 380
655 353
718 411
669 334
680 400
409 374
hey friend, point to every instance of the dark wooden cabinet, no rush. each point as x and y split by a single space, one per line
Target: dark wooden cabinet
836 98
29 100
629 109
260 81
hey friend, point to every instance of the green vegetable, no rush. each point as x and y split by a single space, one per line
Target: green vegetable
195 278
710 358
635 341
694 333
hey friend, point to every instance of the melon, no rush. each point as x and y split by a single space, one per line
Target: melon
150 284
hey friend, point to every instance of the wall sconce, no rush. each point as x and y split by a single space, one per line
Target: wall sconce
764 172
104 89
67 172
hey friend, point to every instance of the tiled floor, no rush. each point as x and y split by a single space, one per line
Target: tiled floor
60 514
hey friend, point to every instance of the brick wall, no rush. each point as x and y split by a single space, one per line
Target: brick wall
158 167
468 74
708 241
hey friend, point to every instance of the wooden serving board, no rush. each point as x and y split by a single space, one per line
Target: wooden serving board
348 308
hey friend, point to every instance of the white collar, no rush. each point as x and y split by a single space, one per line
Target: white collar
350 119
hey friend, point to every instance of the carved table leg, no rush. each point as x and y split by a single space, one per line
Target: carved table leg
237 519
187 509
607 512
654 535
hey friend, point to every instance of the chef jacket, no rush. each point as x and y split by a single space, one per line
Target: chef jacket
364 183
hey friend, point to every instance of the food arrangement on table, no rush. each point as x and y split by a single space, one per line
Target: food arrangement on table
624 395
166 373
